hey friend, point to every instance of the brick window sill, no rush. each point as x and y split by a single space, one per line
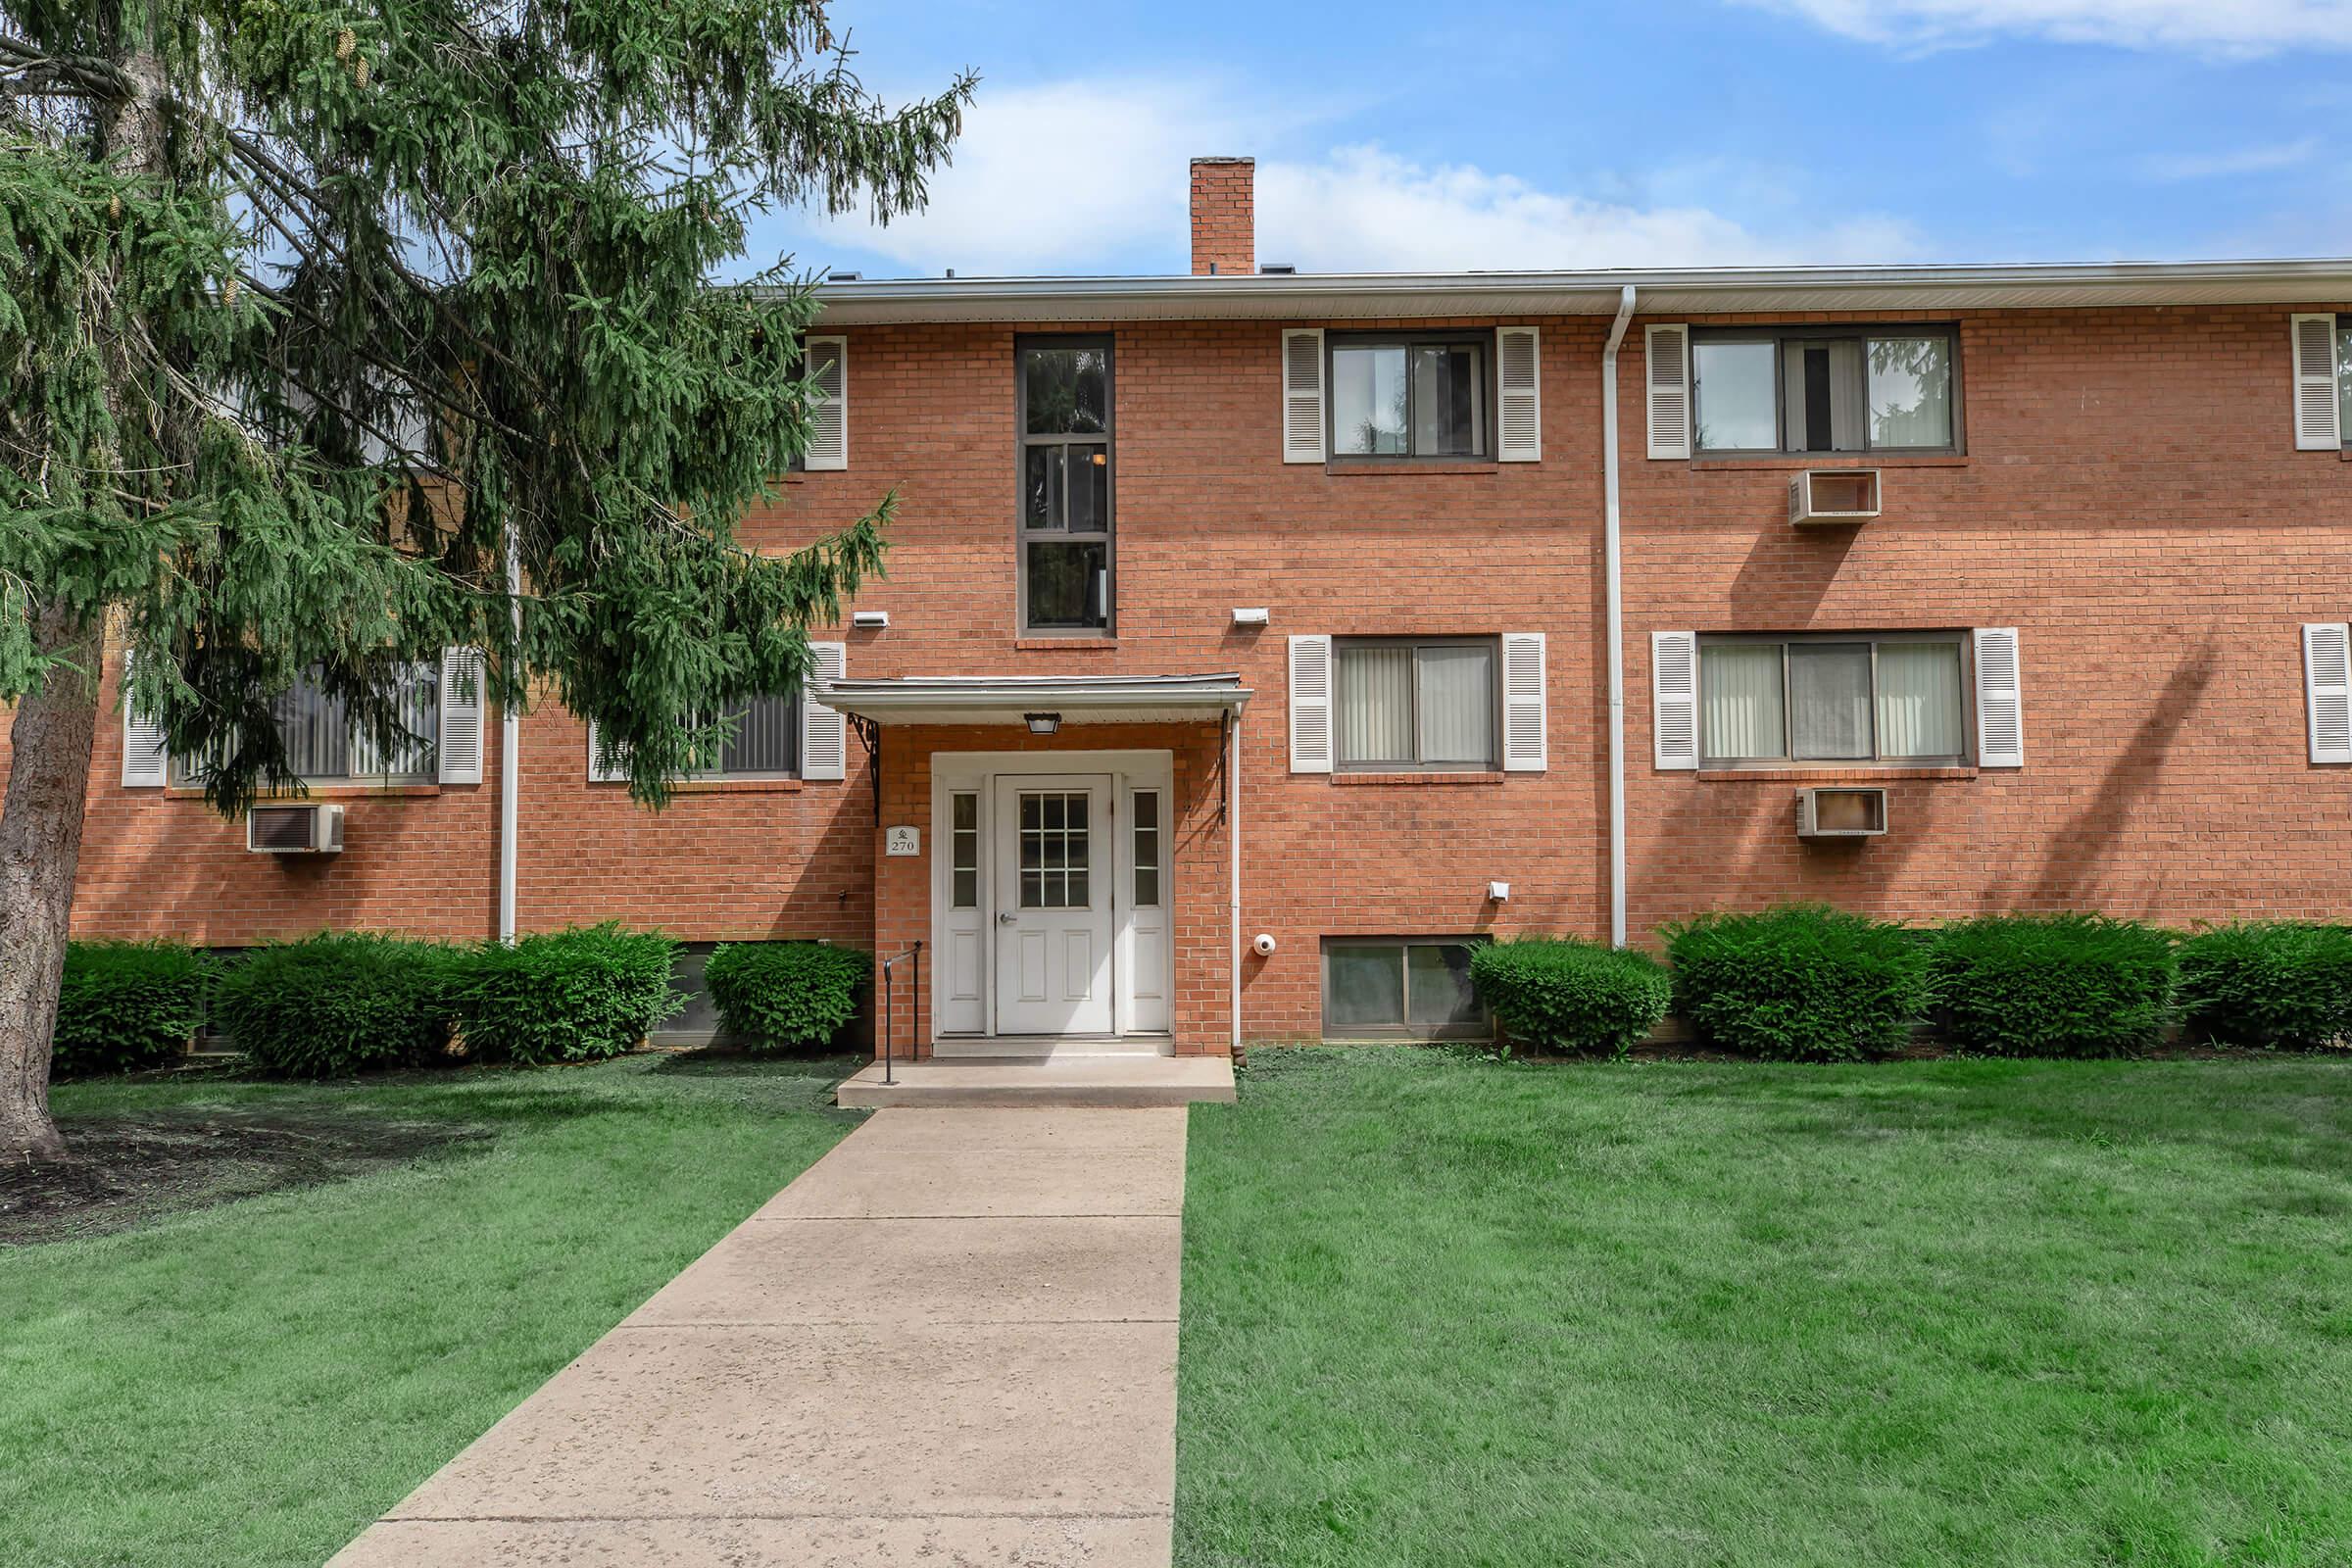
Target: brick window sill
1790 462
1402 468
1827 776
1085 645
329 792
1338 777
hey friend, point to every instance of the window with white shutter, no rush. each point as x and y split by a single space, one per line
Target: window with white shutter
2319 394
824 732
2328 690
462 715
1519 381
1674 698
145 765
1667 350
1302 395
829 413
1311 704
1523 719
604 768
2000 704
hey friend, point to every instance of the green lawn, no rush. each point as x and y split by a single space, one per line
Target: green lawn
250 1384
1440 1310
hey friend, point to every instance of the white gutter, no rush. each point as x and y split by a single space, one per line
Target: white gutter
1233 840
510 758
1613 555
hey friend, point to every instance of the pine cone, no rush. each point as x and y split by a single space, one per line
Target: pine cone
345 42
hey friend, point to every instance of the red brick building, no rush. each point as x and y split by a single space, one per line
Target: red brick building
1308 578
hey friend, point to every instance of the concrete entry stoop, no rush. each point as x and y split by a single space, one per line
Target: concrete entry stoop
951 1341
1124 1082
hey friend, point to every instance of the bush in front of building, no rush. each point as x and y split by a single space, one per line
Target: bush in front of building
2053 985
124 1006
779 993
337 1002
578 995
2280 985
1562 994
1798 982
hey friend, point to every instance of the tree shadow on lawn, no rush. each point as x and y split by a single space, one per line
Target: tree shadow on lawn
129 1169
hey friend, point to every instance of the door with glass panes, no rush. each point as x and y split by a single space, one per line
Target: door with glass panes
1053 893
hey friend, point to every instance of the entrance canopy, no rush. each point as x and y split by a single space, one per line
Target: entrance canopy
1014 699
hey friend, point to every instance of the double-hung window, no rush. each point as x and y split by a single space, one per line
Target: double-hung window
1064 390
1409 987
1417 395
1416 702
1826 389
1896 697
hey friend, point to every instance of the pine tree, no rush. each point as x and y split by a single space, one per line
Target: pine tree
310 315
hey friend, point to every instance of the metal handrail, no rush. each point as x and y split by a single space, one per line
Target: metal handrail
914 1003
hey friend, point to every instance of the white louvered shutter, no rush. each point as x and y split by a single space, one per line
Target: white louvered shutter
2000 704
1669 377
2328 690
1302 395
461 715
2318 423
145 764
1523 728
602 769
1674 698
1311 704
829 415
1520 384
824 732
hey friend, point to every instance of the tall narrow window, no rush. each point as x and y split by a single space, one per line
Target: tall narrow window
963 851
1147 848
1064 389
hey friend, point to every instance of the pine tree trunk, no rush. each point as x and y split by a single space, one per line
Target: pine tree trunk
40 850
49 756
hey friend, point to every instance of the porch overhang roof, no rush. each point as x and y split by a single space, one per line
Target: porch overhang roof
1010 699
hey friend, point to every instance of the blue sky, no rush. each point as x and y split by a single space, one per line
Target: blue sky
1675 132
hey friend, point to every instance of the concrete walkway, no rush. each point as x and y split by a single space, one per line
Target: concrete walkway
950 1343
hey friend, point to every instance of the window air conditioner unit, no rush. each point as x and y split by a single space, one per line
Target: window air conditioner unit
309 829
1833 496
1840 813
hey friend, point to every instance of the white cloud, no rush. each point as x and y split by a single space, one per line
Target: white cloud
2263 159
1094 176
2218 26
1365 210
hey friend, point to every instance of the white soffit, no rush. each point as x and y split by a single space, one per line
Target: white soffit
1007 698
1677 293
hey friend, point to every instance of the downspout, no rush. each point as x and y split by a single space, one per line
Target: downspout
1232 843
1612 554
509 755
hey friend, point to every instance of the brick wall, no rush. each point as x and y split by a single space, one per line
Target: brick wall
1224 212
2130 499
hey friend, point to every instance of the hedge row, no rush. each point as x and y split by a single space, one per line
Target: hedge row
1807 983
340 1001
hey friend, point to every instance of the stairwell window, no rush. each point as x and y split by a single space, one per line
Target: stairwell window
1062 387
1898 698
1825 390
1426 395
1404 704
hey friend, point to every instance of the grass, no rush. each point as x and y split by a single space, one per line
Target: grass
1443 1310
251 1383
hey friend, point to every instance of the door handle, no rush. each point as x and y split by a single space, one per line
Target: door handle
1005 918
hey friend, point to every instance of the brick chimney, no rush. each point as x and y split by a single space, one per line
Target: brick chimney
1224 216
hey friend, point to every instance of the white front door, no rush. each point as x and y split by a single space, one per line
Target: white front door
1054 891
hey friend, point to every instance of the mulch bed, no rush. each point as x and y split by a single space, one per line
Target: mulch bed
127 1170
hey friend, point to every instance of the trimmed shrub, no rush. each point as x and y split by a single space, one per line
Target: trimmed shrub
336 1003
568 996
785 993
1560 994
2052 985
124 1006
2277 984
1798 982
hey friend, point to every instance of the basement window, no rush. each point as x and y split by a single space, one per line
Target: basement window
1401 988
